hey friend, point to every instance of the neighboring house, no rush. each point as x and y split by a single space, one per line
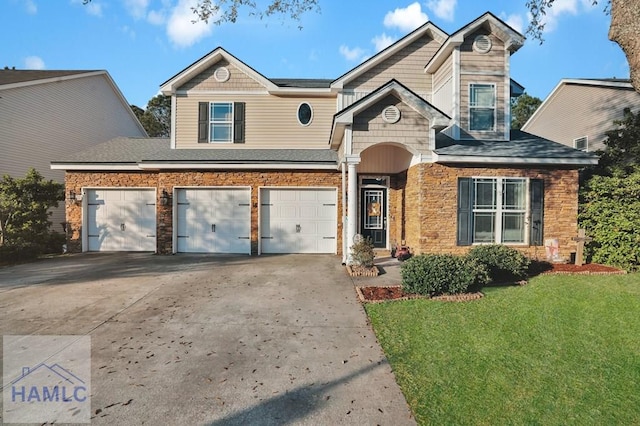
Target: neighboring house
578 112
46 115
413 146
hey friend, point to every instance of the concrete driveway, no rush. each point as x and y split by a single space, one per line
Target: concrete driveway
194 339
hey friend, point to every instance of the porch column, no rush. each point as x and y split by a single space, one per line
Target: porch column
352 202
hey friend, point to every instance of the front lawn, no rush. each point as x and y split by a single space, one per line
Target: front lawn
564 349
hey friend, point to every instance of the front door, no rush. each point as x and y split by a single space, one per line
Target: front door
374 215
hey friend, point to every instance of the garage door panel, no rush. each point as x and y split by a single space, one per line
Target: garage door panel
121 220
298 220
214 220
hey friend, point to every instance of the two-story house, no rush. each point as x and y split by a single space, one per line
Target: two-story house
579 112
47 114
413 145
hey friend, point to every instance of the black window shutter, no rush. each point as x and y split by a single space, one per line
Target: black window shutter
465 212
536 188
238 122
203 122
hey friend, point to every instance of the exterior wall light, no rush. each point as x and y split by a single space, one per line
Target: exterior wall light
164 198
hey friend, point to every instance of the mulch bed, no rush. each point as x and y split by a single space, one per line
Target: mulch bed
377 294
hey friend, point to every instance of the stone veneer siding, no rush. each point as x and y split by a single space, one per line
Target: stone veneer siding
430 210
161 180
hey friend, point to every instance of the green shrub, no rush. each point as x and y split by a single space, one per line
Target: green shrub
19 252
610 213
503 263
362 252
434 274
53 243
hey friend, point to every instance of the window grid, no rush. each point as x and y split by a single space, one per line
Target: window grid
499 210
221 122
482 107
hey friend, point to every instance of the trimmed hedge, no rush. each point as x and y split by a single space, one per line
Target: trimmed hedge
434 274
503 263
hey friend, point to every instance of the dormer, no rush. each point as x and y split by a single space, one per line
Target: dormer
471 80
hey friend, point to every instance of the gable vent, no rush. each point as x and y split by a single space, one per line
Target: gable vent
391 114
221 74
482 44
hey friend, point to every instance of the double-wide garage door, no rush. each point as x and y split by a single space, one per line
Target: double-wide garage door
298 220
121 220
214 220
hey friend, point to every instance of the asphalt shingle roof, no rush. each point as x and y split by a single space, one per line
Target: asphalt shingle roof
521 145
306 83
21 76
137 150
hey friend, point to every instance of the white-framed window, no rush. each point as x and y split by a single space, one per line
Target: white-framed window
499 210
221 122
305 114
581 143
482 107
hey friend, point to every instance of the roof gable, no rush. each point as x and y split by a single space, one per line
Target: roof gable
428 28
170 86
512 39
437 118
10 79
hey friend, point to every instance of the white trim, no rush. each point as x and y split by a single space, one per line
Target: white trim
231 122
93 166
440 158
226 74
455 107
586 140
507 96
236 166
194 92
51 79
298 114
174 109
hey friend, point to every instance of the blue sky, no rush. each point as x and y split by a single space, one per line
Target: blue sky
143 43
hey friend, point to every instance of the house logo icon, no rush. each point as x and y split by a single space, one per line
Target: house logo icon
48 383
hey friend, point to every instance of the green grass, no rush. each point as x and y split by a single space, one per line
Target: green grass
564 349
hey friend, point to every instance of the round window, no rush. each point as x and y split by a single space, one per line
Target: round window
305 114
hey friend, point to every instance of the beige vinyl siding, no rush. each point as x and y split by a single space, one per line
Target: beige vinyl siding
47 122
406 66
444 73
465 81
238 80
443 87
491 62
578 110
411 130
270 121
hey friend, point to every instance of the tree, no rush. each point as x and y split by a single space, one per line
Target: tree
622 145
156 119
24 207
522 109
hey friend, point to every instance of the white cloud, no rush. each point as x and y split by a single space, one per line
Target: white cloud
355 54
514 21
443 9
128 31
156 17
382 41
407 19
32 8
181 29
34 63
136 8
564 7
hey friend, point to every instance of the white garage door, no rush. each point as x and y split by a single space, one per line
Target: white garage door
214 220
121 220
298 220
